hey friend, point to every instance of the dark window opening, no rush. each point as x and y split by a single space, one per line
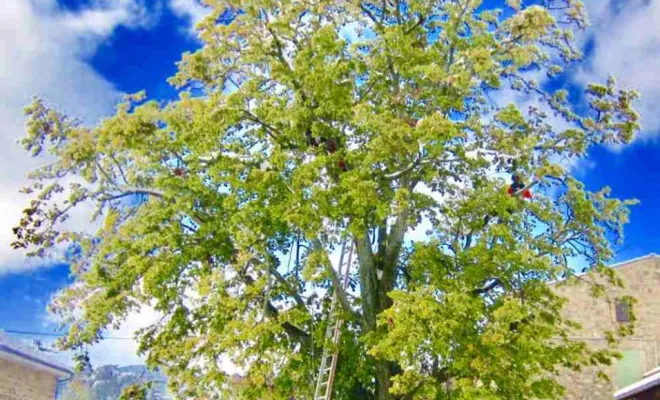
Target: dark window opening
622 311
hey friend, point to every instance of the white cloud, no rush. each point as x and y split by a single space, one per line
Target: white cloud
119 347
627 45
42 53
119 351
192 10
106 15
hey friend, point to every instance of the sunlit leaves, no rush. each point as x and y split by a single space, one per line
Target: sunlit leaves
221 209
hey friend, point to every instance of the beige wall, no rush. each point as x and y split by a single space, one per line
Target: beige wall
21 383
642 281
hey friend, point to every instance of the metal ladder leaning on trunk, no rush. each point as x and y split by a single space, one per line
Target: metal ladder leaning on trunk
326 375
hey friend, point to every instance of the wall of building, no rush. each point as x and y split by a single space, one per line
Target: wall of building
642 280
22 383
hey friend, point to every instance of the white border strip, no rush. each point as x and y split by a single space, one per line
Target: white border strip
638 387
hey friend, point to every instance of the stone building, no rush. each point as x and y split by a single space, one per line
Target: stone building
641 278
27 375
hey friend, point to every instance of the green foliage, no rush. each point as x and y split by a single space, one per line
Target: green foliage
218 211
77 390
135 392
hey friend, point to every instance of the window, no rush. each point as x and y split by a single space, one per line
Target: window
622 311
629 369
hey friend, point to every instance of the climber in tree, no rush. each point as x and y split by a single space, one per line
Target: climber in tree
517 185
331 146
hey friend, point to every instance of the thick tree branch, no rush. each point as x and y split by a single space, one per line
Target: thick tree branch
292 331
420 21
271 130
488 286
336 282
407 168
418 161
280 51
294 293
110 180
531 185
395 238
371 16
398 231
365 93
369 283
119 167
129 191
382 237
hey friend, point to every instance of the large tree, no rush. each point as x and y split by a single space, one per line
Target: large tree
304 123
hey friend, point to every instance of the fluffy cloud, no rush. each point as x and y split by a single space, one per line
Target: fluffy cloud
192 10
119 347
42 53
105 15
626 44
121 351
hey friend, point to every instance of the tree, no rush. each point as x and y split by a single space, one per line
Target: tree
135 392
78 390
221 209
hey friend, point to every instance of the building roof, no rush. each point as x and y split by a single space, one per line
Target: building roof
17 352
649 382
619 264
616 265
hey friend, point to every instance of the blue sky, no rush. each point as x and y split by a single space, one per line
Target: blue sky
81 55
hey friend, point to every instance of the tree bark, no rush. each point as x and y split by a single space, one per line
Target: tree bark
368 281
383 381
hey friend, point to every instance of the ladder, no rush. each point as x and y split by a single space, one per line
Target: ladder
326 375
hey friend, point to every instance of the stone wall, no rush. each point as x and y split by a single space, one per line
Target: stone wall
642 281
21 383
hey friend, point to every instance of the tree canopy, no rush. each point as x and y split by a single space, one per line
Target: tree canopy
304 123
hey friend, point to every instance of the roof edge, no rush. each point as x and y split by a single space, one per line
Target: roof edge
637 387
632 260
616 265
61 371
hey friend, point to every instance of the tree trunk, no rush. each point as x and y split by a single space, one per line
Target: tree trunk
374 291
384 369
383 380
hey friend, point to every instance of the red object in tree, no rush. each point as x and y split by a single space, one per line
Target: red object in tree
331 145
342 165
179 172
527 194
